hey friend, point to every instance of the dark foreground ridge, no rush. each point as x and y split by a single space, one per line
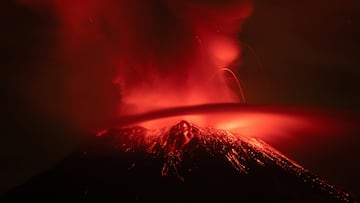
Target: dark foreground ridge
183 163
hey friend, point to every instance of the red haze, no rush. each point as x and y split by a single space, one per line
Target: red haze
152 53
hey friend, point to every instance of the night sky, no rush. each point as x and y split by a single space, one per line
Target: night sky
295 53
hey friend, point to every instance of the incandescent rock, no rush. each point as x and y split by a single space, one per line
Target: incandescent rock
182 163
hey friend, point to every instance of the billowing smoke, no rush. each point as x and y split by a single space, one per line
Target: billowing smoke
130 56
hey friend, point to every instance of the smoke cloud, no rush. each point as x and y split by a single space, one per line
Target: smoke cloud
131 56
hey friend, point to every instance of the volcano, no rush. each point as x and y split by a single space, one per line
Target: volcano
180 163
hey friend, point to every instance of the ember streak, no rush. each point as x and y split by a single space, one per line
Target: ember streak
127 54
126 58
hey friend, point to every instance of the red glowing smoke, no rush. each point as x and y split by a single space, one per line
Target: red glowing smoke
158 53
119 57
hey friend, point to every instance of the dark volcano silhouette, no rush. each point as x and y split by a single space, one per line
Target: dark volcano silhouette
183 163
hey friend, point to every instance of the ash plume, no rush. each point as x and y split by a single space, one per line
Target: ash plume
123 57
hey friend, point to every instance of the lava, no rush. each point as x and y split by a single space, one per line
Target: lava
181 162
165 59
175 144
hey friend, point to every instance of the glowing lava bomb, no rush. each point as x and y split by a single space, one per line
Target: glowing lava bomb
182 163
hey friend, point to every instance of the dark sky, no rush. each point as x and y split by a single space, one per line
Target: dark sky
309 51
301 52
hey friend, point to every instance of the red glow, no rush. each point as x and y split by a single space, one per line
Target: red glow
270 123
160 54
